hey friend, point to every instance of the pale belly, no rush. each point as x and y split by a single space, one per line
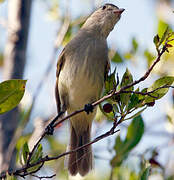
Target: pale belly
81 87
76 91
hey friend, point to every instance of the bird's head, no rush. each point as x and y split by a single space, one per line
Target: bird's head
104 18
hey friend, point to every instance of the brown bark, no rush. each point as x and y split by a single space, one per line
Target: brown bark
19 12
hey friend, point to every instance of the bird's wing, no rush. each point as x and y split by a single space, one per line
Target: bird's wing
60 64
107 68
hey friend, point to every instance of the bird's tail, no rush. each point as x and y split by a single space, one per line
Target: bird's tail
80 161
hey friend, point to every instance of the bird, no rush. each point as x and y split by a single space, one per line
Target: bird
82 69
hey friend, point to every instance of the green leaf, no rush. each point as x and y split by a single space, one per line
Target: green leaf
21 141
142 97
123 147
10 177
131 53
37 154
120 154
117 58
167 80
11 93
134 100
137 100
134 133
149 57
156 40
19 145
25 152
110 82
39 148
170 119
134 45
115 108
127 79
68 35
118 144
164 35
34 168
145 174
162 25
128 55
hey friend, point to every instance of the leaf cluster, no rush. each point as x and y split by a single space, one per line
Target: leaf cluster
133 102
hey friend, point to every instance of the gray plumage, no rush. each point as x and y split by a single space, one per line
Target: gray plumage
81 71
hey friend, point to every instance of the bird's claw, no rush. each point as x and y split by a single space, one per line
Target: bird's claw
88 108
49 129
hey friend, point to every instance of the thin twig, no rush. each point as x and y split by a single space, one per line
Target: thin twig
35 146
43 177
47 158
141 93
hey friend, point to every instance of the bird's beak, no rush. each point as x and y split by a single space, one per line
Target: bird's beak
119 11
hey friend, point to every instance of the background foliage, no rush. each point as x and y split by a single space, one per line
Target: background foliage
144 146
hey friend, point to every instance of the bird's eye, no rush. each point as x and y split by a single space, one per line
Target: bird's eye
104 7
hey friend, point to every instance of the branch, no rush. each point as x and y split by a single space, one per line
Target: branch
22 171
148 93
142 93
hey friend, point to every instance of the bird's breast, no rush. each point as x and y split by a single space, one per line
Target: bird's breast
83 73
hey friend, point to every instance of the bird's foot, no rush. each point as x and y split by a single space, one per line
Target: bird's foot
49 129
88 108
